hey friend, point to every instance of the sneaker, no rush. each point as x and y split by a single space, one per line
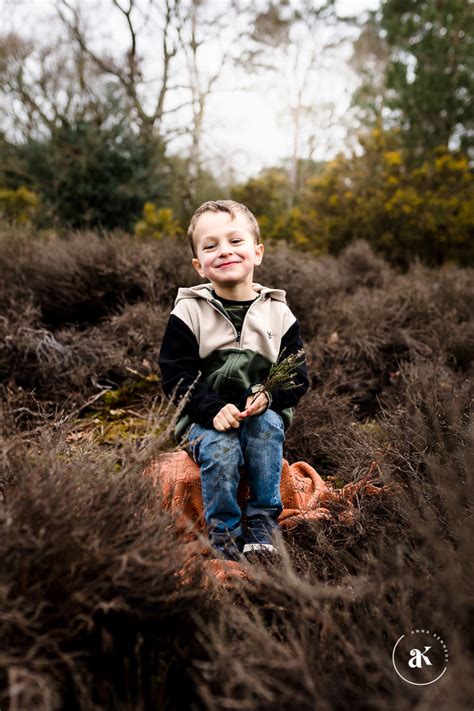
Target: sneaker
259 535
227 547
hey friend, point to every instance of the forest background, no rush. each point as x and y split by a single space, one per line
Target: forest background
97 137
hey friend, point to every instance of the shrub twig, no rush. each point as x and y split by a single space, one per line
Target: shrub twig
282 373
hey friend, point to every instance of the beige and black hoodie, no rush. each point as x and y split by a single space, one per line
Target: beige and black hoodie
202 346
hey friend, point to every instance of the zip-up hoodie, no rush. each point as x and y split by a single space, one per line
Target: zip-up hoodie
201 348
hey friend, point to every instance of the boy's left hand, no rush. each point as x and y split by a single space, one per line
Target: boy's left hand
257 407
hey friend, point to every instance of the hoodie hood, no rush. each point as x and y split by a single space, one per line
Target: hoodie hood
204 291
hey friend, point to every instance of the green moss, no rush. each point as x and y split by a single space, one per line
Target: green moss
117 426
120 415
129 393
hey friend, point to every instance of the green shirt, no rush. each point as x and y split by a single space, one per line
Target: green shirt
235 310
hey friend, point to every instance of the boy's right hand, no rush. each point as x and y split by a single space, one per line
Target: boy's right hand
229 416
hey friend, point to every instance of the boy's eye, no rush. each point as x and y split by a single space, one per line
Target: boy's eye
236 239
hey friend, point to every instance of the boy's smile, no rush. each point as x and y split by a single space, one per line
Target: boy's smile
227 253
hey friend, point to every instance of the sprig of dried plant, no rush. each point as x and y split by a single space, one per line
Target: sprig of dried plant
282 373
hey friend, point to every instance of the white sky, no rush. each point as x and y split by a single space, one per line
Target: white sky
245 130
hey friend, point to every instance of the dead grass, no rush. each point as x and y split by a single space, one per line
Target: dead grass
94 613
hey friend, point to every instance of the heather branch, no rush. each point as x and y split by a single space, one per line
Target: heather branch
282 373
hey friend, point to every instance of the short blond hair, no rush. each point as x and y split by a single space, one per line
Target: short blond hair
229 206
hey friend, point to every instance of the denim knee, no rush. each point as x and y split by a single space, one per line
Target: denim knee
268 420
213 446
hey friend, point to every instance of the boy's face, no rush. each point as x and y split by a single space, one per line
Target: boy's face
226 249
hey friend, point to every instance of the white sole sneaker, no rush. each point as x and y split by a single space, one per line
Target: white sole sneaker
259 548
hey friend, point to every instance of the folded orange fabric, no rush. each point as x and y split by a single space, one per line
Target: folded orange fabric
304 495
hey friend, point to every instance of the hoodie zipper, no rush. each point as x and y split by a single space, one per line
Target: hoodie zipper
260 298
238 336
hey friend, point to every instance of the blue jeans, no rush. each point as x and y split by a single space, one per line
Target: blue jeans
256 444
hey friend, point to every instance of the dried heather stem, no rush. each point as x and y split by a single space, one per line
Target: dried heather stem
282 373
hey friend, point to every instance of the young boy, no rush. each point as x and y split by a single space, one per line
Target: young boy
223 336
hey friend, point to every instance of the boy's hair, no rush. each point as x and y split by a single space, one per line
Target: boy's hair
229 206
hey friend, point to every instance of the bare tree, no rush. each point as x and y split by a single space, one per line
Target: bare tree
201 26
183 28
43 87
128 70
292 42
370 56
310 115
163 82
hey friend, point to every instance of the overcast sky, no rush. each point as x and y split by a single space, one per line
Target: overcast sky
244 129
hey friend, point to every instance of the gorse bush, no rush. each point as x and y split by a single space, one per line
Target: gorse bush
403 210
95 611
18 206
157 223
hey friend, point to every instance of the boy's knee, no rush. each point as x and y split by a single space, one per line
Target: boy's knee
266 420
225 439
217 445
274 418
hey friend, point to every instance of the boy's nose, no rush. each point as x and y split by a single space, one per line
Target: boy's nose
225 249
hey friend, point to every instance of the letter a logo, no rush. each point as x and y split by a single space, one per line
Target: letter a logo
418 657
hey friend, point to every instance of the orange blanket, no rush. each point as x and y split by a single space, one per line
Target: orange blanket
304 495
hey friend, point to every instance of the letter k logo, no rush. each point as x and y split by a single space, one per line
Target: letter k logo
417 658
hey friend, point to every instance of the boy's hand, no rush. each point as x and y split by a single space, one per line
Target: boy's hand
227 417
255 407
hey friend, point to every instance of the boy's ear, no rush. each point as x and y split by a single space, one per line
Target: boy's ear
197 266
259 250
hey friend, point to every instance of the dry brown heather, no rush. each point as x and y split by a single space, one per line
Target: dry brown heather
92 611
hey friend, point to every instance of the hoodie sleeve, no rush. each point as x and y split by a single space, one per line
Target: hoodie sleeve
179 365
281 399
